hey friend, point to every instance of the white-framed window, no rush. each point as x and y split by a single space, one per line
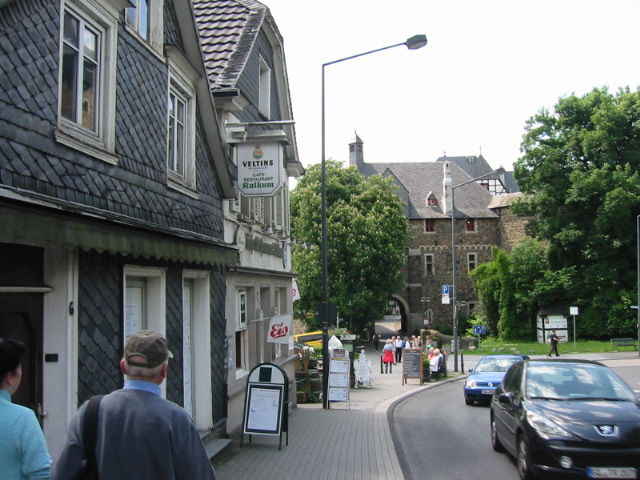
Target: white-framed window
137 17
472 261
264 105
242 309
144 301
429 266
181 123
145 19
470 225
86 100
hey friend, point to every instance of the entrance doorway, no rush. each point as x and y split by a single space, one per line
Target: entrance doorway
21 319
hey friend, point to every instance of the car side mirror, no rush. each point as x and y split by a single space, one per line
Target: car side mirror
505 398
471 370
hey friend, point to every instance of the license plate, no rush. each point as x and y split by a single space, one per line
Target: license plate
611 472
487 392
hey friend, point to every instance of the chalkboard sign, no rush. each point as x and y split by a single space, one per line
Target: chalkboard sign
411 364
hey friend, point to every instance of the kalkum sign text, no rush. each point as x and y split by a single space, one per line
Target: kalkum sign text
259 166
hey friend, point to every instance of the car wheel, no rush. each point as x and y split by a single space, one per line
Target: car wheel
495 443
467 401
523 459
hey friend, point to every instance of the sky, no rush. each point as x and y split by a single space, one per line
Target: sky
488 67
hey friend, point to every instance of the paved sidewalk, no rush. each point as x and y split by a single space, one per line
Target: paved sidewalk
352 440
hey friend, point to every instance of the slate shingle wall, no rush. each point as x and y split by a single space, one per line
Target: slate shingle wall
31 159
100 326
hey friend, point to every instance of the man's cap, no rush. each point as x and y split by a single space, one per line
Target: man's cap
150 345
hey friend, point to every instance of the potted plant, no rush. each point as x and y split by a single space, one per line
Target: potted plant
426 373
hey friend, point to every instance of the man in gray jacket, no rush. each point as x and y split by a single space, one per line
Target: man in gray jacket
140 434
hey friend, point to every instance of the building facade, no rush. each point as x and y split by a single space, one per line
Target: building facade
114 182
482 221
244 56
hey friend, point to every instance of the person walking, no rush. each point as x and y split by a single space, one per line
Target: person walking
376 341
388 357
553 342
139 434
23 449
399 347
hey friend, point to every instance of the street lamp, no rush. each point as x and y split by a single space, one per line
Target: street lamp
413 43
454 292
638 269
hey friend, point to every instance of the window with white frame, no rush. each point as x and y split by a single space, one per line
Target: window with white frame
429 267
264 105
87 78
242 309
145 19
144 302
181 123
241 337
145 299
137 17
470 225
472 261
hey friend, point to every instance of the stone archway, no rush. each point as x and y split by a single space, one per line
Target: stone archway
405 313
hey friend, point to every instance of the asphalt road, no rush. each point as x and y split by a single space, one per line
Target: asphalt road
441 438
438 437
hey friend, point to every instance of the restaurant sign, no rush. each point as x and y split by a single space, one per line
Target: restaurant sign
259 166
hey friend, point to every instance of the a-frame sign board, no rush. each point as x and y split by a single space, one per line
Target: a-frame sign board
266 410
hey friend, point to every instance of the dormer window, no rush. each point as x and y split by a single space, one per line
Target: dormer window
264 89
432 201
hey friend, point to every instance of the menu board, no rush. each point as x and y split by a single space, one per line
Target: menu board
411 364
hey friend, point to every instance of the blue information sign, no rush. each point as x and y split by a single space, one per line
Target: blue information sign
480 329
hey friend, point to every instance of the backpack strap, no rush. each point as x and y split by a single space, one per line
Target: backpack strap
90 433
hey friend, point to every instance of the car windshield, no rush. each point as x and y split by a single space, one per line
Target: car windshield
493 364
575 381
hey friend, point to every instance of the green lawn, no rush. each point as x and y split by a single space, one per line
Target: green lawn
491 345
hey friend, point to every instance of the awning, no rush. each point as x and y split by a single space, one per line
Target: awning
48 228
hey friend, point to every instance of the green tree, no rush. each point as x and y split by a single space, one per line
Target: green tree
580 169
368 237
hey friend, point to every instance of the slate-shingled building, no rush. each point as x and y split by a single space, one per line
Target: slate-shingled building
113 181
245 62
481 223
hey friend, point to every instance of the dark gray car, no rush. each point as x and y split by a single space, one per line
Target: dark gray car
567 419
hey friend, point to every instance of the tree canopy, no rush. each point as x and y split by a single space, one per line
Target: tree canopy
581 173
367 241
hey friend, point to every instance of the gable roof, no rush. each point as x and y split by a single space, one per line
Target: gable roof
228 31
420 179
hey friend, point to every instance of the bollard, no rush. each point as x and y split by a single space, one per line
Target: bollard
462 361
381 365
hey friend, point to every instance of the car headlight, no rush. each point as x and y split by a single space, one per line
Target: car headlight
545 427
471 384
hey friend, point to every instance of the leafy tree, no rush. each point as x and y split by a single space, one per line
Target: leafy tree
368 237
580 169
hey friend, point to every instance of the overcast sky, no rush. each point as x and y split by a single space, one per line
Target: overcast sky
488 67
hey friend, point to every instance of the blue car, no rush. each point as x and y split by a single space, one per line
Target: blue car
489 372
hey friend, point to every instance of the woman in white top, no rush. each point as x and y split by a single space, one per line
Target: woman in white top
434 363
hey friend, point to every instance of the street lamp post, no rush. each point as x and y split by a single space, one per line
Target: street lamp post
454 291
638 271
413 43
